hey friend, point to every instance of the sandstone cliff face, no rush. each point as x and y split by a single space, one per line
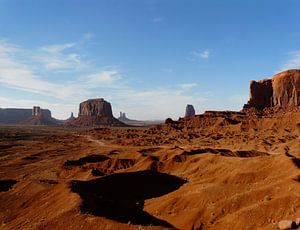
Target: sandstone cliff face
95 112
189 111
282 91
95 107
286 87
261 93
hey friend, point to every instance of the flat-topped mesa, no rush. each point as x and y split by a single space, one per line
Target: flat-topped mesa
95 107
282 91
95 112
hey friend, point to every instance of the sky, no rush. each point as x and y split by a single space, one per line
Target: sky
148 58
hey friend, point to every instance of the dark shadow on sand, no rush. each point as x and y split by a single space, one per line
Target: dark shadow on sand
121 196
94 158
6 185
295 160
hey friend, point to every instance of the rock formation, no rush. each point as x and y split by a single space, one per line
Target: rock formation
94 112
17 116
71 118
40 117
95 107
123 118
261 93
189 111
282 91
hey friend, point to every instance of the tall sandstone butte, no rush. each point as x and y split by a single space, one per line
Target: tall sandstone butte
95 112
282 91
40 117
189 111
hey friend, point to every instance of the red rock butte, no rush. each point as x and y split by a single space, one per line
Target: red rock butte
95 112
282 91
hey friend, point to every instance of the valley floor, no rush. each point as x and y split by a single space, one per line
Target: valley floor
146 178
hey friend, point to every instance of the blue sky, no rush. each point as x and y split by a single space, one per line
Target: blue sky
149 58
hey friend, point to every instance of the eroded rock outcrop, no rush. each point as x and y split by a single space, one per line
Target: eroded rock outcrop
40 117
189 111
261 93
94 112
282 91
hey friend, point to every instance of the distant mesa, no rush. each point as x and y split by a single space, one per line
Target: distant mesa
282 91
95 112
40 117
26 116
189 111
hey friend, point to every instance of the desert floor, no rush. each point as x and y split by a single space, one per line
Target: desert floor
143 178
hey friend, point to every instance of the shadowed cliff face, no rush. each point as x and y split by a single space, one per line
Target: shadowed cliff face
189 111
282 91
261 93
16 116
121 196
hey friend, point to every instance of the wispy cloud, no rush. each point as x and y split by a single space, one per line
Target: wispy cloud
88 36
60 57
200 55
293 62
187 86
108 83
58 48
103 78
14 73
158 19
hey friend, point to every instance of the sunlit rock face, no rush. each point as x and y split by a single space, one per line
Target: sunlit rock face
282 91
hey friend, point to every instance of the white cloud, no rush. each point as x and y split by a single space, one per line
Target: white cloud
153 103
88 36
158 103
58 48
18 75
60 57
293 62
187 86
158 19
105 77
6 48
196 55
